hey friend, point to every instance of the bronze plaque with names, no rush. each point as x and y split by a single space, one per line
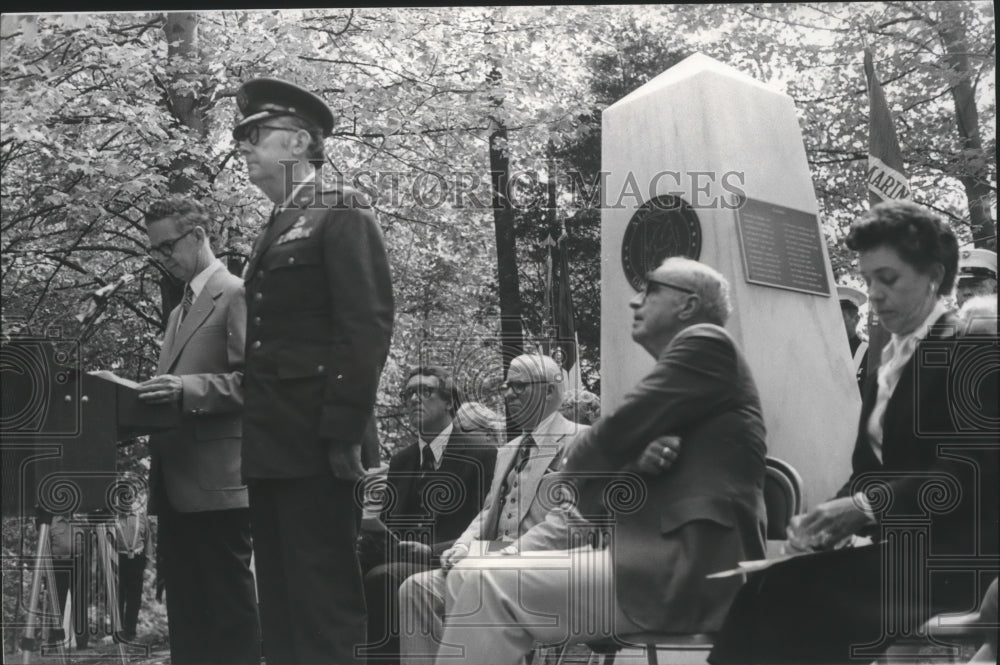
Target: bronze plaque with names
781 247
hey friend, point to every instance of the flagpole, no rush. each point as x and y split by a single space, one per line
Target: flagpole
885 176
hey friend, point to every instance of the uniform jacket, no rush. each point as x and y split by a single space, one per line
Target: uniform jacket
197 465
703 515
452 495
319 321
530 507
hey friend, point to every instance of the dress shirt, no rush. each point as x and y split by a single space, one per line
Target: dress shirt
132 535
437 445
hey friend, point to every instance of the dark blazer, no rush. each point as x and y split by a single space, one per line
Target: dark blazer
320 315
197 465
445 500
923 419
938 475
707 512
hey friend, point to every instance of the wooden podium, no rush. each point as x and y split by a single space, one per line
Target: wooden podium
61 428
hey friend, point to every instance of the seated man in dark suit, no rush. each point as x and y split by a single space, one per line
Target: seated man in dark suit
435 486
669 530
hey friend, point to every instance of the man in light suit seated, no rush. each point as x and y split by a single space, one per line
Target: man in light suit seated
668 530
533 392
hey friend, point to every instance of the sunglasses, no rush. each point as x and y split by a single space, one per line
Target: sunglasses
251 133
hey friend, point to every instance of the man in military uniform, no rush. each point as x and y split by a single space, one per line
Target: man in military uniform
977 274
319 322
851 300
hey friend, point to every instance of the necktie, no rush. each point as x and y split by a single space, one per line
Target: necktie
188 301
524 452
426 459
520 461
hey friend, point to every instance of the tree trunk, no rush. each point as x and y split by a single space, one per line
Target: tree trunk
972 162
503 220
184 60
511 340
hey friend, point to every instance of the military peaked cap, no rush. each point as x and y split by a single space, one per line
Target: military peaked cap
977 262
265 98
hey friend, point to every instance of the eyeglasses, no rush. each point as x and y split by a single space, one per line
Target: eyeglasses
424 391
251 133
517 387
166 248
676 287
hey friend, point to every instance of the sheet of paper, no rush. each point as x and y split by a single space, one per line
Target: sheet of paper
114 378
746 567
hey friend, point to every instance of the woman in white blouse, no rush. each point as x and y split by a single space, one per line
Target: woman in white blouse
924 482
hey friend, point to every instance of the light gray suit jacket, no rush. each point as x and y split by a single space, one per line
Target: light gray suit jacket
530 507
197 465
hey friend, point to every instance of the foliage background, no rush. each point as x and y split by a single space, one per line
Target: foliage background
102 113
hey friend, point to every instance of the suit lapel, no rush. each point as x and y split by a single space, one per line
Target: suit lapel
548 448
900 411
530 482
200 310
169 338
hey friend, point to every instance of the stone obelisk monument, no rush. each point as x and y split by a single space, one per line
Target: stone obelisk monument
707 162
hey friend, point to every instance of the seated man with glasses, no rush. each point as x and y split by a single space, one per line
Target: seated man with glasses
435 486
667 530
533 393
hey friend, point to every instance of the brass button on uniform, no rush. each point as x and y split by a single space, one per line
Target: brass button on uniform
291 260
258 296
256 320
255 345
320 369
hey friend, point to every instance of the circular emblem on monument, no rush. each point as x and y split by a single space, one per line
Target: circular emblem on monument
662 227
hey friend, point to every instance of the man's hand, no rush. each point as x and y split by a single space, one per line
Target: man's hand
453 555
659 455
345 461
413 551
827 525
161 389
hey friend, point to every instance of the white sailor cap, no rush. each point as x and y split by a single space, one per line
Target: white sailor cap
852 295
977 262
